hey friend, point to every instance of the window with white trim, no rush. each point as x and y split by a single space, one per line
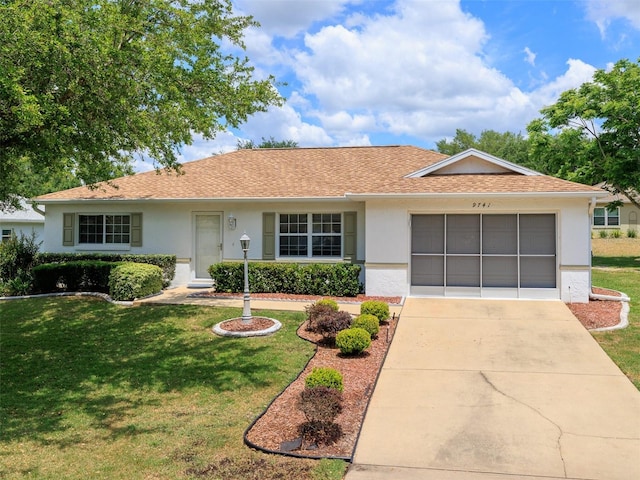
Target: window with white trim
323 239
606 217
6 234
106 229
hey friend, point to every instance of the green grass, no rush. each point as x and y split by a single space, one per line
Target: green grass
617 262
93 390
623 346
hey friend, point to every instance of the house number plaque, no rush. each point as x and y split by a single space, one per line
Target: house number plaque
481 204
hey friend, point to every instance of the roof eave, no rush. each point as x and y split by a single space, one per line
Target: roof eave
426 195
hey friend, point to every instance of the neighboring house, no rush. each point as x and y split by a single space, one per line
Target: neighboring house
623 218
25 221
419 222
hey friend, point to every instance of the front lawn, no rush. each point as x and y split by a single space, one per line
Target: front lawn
93 390
623 346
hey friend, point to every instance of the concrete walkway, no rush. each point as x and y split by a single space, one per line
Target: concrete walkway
181 295
498 390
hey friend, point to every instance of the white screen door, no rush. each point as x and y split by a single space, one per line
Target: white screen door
208 243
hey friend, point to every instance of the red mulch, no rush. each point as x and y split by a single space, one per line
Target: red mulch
598 313
256 324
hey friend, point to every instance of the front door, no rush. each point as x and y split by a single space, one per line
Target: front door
208 243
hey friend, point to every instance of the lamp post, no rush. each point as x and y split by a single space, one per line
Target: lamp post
246 309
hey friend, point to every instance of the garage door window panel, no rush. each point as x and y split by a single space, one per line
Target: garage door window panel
463 271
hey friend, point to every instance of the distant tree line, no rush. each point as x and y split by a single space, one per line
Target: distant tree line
590 135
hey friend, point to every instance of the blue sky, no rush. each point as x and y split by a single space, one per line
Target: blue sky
386 72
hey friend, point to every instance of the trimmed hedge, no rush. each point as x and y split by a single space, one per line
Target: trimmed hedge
338 280
166 262
80 276
129 281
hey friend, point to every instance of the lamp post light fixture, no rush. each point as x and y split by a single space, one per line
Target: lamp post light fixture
246 309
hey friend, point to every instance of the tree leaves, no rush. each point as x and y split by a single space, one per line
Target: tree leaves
87 85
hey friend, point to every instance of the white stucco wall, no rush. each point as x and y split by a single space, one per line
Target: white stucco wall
168 227
24 228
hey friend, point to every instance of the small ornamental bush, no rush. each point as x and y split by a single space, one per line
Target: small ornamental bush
603 233
616 234
324 377
329 325
320 404
375 307
134 280
320 433
353 341
632 233
316 311
368 322
329 303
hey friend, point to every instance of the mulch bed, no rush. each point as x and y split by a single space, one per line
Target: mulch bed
598 313
256 324
281 421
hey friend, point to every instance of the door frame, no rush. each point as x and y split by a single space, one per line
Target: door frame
194 249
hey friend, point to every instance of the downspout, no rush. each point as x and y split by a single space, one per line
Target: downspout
597 296
35 208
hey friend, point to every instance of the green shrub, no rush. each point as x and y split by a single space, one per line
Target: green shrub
166 262
328 302
367 322
17 257
330 324
324 377
79 276
353 341
375 307
134 280
603 233
632 233
336 280
616 234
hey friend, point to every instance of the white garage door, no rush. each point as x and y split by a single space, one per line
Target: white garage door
505 255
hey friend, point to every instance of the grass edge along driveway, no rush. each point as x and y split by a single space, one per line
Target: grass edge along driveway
93 390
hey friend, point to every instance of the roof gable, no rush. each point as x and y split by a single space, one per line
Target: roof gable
472 162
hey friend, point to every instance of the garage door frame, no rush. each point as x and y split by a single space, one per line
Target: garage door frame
468 281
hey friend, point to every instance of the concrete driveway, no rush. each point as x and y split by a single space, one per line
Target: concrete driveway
497 390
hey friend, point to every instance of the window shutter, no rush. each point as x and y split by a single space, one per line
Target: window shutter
268 236
136 229
350 236
68 231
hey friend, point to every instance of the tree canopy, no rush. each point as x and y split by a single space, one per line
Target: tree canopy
507 145
592 133
266 143
85 86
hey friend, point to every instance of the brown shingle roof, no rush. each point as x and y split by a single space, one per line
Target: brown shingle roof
311 173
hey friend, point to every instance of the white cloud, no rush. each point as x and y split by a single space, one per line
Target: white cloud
530 57
285 123
603 12
287 18
577 73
